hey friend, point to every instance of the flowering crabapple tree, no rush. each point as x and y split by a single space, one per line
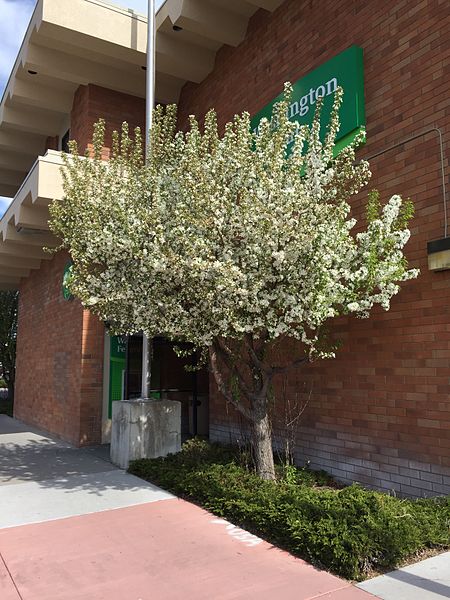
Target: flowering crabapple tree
232 242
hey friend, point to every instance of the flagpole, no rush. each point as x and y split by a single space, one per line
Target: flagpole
149 105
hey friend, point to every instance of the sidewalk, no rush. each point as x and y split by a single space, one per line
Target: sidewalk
426 580
73 527
42 479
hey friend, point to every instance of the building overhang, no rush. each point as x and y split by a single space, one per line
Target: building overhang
24 230
70 43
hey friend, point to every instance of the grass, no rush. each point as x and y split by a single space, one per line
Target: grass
350 531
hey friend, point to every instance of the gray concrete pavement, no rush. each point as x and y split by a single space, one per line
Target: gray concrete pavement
426 580
46 480
60 540
42 479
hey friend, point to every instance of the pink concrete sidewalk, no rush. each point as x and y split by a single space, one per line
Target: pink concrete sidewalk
169 550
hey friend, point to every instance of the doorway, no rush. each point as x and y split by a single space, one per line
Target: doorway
170 380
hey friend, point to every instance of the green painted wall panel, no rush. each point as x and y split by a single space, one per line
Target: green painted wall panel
117 366
344 70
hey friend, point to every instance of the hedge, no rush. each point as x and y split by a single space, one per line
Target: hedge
350 531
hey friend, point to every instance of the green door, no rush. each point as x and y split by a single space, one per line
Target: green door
117 367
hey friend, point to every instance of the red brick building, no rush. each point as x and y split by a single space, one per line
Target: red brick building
380 412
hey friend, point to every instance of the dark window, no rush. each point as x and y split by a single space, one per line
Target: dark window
65 141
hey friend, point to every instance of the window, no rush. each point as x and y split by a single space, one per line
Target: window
65 141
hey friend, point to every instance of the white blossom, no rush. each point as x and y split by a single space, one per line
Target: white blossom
223 235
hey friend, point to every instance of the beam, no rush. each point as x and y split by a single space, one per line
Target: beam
31 120
10 279
14 272
16 161
212 21
34 238
22 251
12 178
19 261
9 191
7 287
32 93
81 71
32 218
269 5
22 142
182 60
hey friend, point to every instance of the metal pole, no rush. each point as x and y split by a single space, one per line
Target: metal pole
149 105
194 398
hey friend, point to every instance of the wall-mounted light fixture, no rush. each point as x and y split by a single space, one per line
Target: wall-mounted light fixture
439 254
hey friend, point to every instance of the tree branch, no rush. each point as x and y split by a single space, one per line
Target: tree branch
223 388
295 363
229 359
253 354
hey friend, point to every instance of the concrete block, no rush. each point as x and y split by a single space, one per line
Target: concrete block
413 492
408 472
431 477
420 483
144 429
420 466
401 479
440 470
441 490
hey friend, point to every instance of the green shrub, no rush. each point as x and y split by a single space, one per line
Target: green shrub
349 531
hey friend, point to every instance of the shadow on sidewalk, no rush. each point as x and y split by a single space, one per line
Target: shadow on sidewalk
28 456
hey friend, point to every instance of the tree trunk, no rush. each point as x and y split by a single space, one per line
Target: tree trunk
226 372
262 447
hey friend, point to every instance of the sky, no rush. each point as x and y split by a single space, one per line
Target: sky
15 16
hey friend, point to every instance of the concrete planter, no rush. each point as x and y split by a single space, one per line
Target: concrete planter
144 429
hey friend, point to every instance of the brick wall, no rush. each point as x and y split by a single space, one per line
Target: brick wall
51 143
91 390
92 102
380 412
59 359
47 383
59 382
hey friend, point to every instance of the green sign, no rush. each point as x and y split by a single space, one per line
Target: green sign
344 70
117 367
118 346
66 276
